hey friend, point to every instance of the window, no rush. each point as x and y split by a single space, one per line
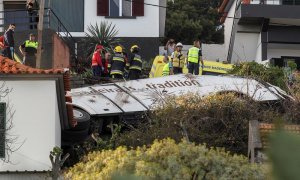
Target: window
2 129
291 2
120 8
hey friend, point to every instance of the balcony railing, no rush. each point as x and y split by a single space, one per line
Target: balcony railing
272 2
25 21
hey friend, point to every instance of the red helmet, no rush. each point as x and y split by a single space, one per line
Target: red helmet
99 47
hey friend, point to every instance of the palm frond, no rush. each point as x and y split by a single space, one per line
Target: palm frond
104 33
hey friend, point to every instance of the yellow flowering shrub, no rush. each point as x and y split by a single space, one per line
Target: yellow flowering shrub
165 159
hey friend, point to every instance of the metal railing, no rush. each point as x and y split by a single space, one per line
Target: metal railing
29 21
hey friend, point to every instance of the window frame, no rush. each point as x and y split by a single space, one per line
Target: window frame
120 9
3 130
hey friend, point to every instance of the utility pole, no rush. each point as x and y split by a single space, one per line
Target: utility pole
40 33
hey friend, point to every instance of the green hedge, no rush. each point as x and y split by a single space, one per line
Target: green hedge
166 160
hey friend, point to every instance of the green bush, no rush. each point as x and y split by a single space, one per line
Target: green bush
166 160
273 75
218 121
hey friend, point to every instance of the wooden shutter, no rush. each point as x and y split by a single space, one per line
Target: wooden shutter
2 129
102 7
138 8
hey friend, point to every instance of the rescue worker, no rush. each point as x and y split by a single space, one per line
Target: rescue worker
106 62
194 56
97 61
117 65
29 49
134 63
177 59
168 68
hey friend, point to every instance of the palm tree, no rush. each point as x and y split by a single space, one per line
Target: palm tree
104 34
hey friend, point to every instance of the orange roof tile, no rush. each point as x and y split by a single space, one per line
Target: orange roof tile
8 66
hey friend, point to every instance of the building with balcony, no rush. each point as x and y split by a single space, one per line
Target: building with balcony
139 22
261 30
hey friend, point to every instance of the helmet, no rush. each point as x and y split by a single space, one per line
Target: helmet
99 47
118 49
179 45
134 47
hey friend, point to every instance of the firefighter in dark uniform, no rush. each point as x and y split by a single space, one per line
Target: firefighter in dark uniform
135 63
29 50
117 64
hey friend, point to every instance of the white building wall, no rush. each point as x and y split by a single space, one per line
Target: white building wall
277 53
228 25
142 26
245 47
36 124
273 2
258 57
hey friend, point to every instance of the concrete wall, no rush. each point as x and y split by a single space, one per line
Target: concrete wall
162 18
61 53
245 47
36 124
228 25
277 52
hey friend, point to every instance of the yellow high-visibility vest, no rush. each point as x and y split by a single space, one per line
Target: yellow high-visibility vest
178 62
31 44
193 55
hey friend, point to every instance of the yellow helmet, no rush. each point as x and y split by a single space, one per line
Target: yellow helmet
134 47
118 49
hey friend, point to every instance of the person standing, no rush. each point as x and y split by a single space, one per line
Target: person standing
169 48
9 41
97 61
168 68
106 62
29 49
194 56
117 64
177 59
135 63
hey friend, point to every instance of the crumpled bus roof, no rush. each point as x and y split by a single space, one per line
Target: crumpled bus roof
142 95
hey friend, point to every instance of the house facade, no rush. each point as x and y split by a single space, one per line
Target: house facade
139 22
261 30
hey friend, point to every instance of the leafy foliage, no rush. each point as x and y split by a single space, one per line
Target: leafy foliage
284 155
218 121
104 34
273 75
190 19
166 160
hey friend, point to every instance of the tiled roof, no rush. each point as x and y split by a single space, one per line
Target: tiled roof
8 66
265 130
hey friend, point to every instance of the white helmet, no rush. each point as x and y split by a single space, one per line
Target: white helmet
179 44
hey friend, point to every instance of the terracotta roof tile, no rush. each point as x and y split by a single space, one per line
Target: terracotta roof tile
8 66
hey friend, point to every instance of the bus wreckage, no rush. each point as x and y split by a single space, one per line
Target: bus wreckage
130 97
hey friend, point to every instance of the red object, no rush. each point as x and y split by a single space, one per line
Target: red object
99 47
106 62
97 59
138 8
246 2
2 42
102 8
